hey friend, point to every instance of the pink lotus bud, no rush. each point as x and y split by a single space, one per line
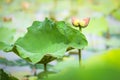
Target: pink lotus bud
75 22
84 22
80 23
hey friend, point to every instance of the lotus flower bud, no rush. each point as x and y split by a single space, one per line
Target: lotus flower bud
84 23
80 23
75 22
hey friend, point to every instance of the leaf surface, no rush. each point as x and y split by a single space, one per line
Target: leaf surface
48 37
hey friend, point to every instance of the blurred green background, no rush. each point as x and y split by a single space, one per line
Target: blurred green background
103 34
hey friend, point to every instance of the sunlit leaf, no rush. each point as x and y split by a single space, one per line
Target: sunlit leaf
101 67
48 37
111 57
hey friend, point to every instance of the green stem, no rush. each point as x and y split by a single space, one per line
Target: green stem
34 70
79 55
45 67
79 50
80 28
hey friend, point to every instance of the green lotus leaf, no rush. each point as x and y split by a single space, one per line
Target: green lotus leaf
48 37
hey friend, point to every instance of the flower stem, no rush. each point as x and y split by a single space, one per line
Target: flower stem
79 55
79 51
80 29
45 67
